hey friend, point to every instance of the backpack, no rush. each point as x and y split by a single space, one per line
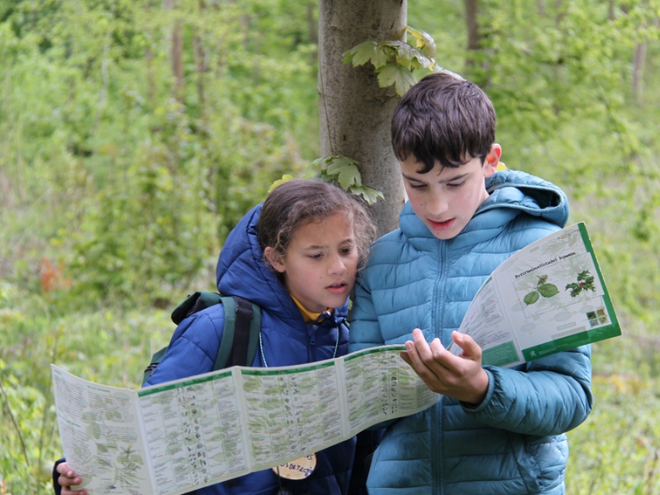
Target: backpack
240 334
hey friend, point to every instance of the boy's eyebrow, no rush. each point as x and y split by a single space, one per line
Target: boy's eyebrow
451 179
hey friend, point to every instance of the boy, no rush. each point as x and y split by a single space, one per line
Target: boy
496 430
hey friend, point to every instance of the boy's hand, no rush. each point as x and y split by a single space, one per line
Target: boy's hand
67 479
460 377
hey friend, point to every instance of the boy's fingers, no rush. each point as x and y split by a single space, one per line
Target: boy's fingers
414 359
422 347
423 360
437 349
471 349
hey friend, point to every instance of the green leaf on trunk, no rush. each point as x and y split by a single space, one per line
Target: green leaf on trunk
368 194
401 77
348 176
423 41
360 54
405 54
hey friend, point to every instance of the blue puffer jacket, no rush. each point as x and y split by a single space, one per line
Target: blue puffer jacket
514 442
287 340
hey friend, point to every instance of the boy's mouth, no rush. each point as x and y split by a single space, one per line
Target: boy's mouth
447 224
338 287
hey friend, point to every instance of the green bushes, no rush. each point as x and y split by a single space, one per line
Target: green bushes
109 346
120 177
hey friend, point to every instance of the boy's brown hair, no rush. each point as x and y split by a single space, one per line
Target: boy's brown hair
443 118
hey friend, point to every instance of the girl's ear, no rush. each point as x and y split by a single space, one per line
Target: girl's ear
275 259
492 159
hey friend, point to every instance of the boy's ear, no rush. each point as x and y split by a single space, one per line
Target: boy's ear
492 160
275 259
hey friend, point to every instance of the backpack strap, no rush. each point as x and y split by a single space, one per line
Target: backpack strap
240 335
195 302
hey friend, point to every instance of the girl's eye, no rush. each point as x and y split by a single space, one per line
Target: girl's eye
347 250
316 256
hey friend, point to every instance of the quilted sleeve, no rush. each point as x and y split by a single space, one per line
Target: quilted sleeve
193 348
365 330
548 396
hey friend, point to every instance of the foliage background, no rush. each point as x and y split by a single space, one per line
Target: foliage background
122 171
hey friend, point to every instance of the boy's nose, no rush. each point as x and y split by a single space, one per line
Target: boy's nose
436 205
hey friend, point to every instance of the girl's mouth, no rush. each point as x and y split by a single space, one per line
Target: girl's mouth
337 287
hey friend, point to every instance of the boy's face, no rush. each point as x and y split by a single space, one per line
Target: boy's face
445 199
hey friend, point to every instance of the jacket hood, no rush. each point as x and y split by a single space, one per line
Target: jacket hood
242 272
511 193
524 192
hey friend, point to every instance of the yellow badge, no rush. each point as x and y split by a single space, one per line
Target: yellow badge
298 469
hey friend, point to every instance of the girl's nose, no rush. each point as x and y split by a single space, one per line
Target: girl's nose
337 265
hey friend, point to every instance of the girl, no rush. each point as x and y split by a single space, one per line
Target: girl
296 256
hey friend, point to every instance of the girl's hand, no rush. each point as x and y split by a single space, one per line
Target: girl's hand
460 377
67 479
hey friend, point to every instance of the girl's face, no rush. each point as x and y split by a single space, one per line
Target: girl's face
320 264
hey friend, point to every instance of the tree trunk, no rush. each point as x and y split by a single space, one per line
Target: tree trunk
355 112
638 72
201 64
176 52
473 35
479 74
177 59
313 27
540 7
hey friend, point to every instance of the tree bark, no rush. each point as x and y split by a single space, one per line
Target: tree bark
479 74
201 64
638 72
473 35
177 59
355 113
176 52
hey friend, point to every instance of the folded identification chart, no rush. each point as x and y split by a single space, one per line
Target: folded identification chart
172 438
546 298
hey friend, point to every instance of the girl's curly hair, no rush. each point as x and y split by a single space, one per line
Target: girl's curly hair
295 203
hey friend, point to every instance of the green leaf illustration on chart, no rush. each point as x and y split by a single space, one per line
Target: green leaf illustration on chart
585 282
531 298
542 289
548 290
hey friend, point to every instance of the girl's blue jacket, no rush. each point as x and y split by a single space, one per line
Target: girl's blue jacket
514 442
287 340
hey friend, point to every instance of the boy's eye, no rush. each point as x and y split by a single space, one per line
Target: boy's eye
316 256
414 185
456 184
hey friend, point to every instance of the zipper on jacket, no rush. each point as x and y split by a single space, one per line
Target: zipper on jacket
439 298
312 347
